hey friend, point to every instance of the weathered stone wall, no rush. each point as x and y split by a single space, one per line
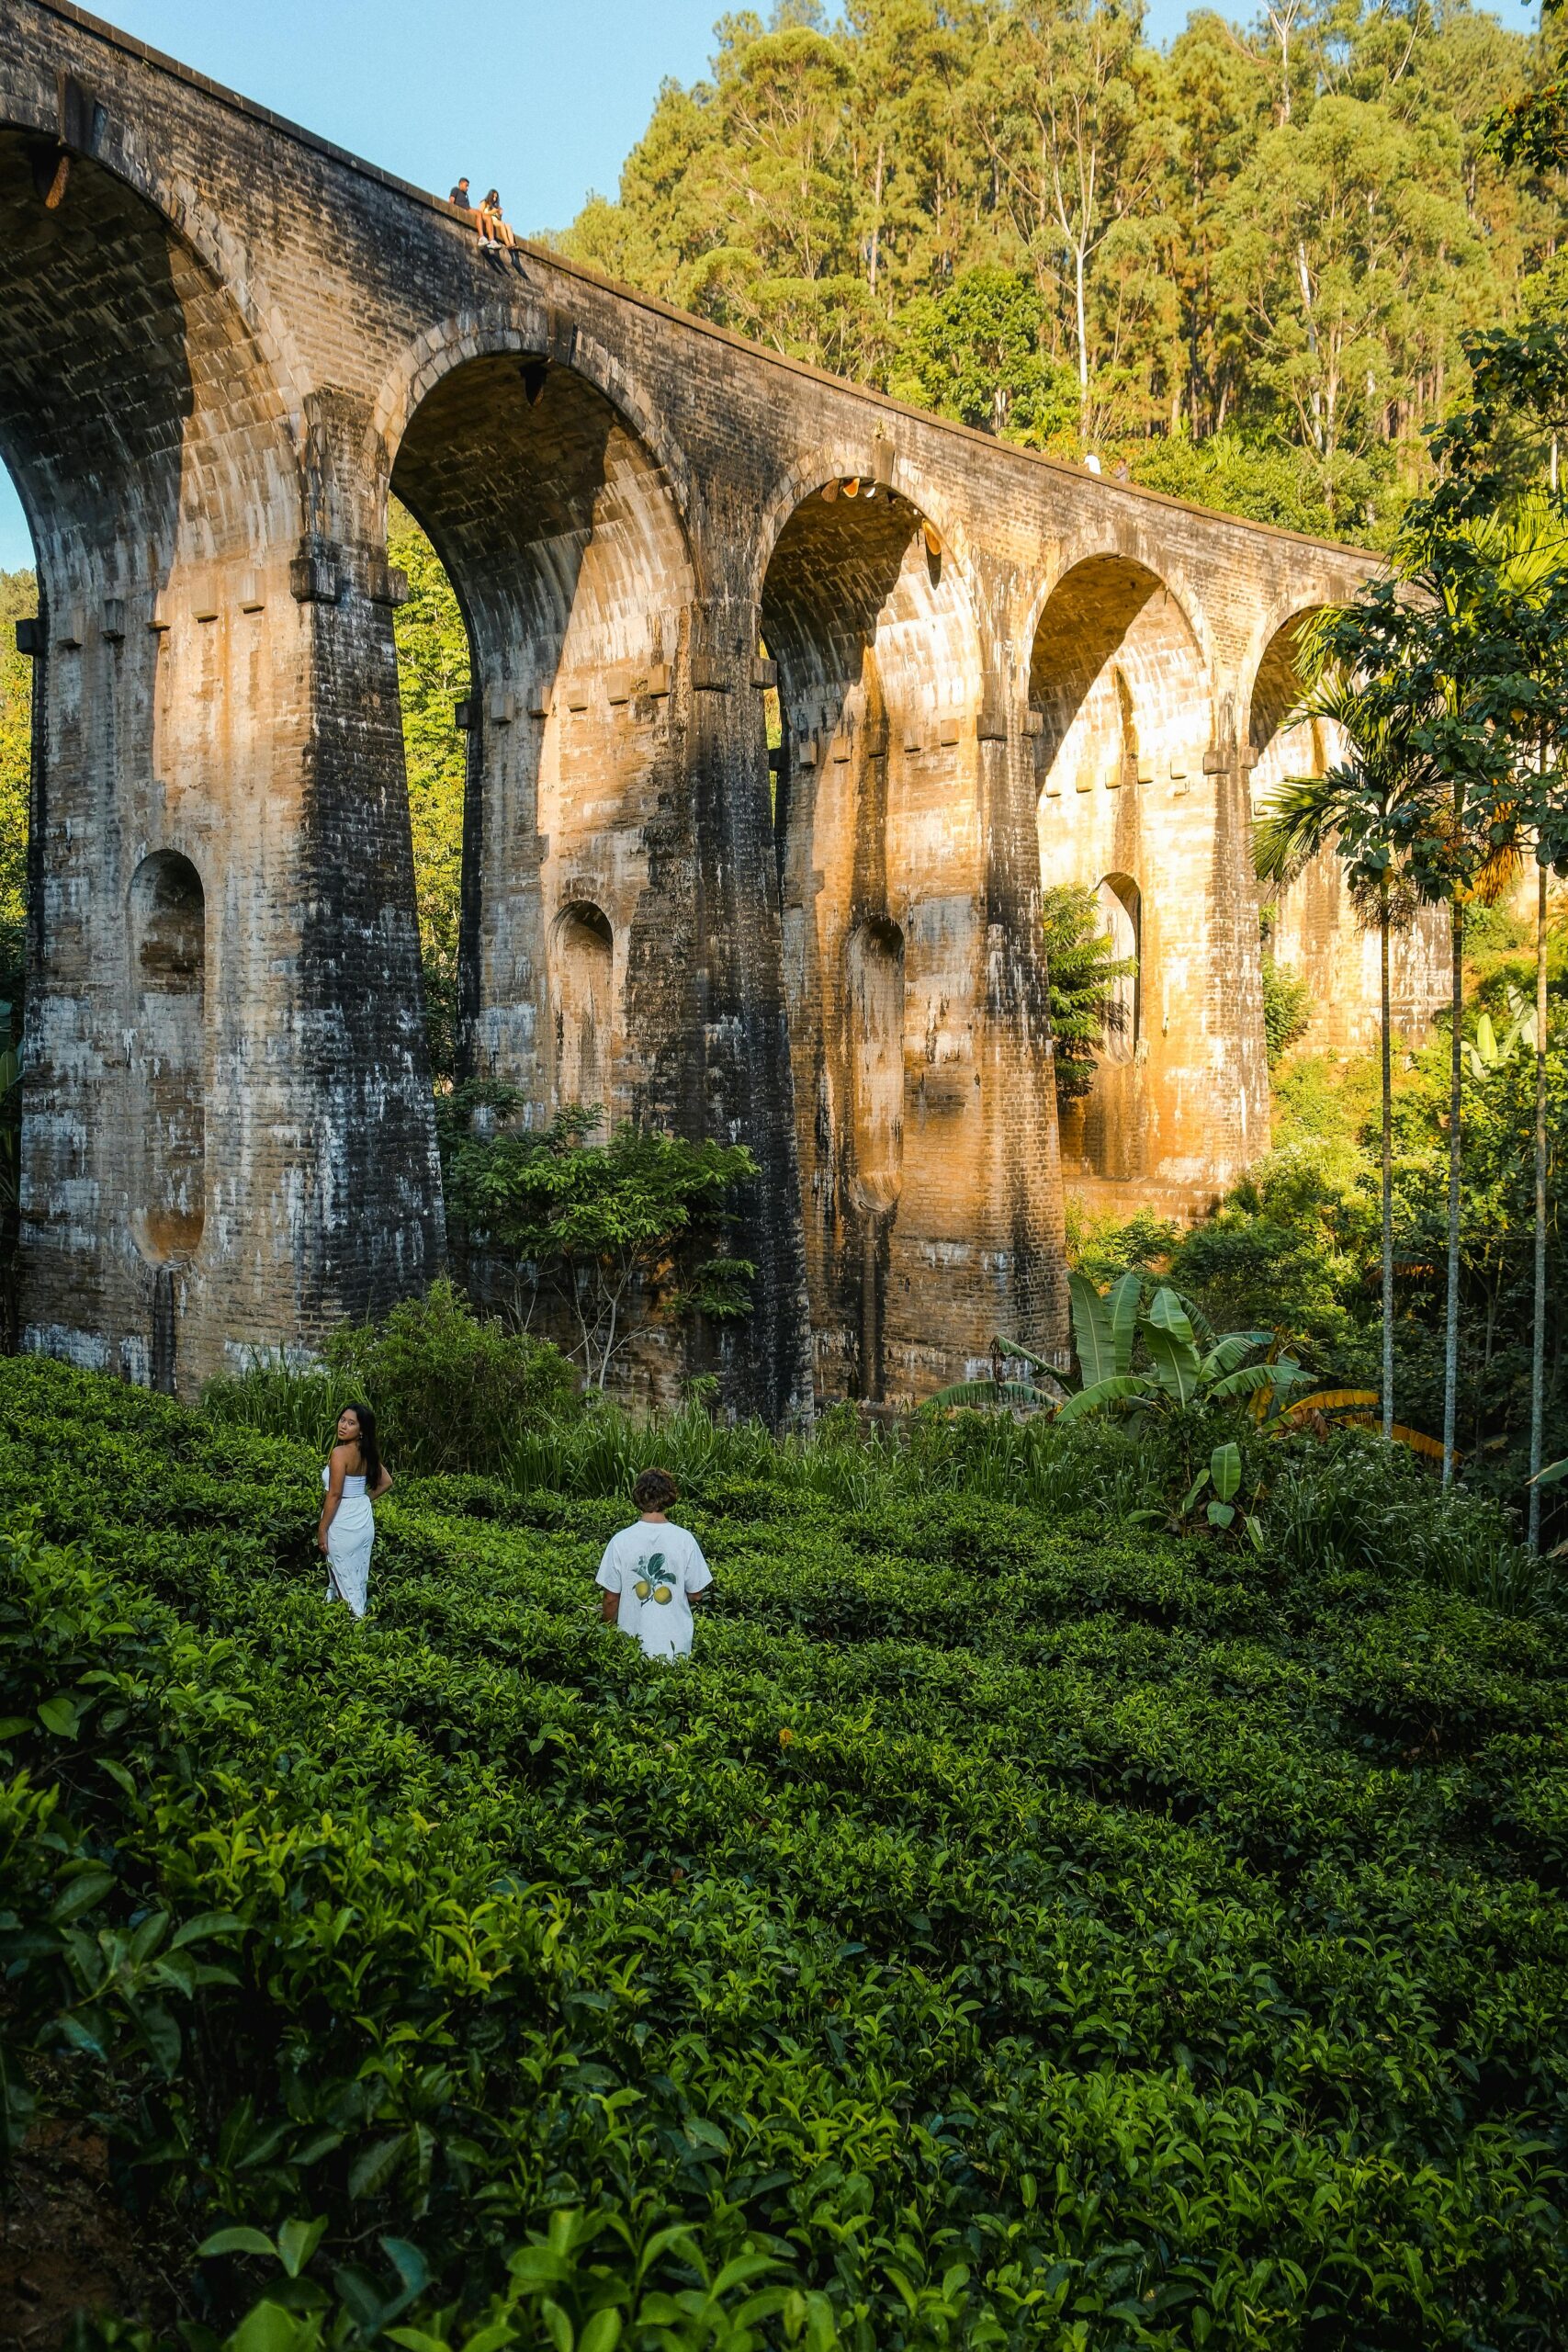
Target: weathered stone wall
219 349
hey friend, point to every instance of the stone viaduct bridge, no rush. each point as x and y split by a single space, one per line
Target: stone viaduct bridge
223 344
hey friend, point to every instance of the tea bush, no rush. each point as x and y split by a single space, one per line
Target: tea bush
1007 1932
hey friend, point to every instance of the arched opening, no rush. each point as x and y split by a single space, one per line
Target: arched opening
1307 931
150 445
434 682
1312 930
567 556
1128 771
875 1014
167 930
18 609
583 997
1121 915
877 835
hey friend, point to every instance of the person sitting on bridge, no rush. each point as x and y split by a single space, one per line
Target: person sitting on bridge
460 197
494 232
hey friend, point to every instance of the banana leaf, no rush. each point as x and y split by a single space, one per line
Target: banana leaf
1226 1353
1416 1440
1126 1296
1173 1357
1118 1390
1026 1355
1329 1400
978 1393
1092 1334
1169 1314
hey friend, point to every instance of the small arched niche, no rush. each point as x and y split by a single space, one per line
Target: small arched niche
168 979
1120 917
584 973
874 999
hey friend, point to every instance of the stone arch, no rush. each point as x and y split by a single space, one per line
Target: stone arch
133 378
119 151
166 928
1313 929
1114 654
1129 774
834 463
1278 751
1152 562
566 543
879 842
527 332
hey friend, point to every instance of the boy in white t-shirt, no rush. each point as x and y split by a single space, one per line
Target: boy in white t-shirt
652 1573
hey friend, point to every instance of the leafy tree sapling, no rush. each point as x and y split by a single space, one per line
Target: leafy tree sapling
1082 969
622 1233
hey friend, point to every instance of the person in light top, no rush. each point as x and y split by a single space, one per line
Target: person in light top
653 1573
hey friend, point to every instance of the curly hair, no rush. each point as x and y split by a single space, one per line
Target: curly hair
655 1490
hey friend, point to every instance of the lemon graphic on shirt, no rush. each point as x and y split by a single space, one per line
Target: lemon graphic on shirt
644 1583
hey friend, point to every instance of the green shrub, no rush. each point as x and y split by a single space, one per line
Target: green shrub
450 1391
1287 1007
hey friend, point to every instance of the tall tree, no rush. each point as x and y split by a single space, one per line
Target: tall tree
1352 808
1057 107
1509 432
1280 236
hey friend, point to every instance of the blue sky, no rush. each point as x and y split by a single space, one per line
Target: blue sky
542 101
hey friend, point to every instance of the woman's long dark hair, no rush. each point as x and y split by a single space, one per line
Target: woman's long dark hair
369 1451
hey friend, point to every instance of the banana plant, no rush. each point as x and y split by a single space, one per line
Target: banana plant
1491 1051
1044 1393
1223 1473
1350 1408
1182 1372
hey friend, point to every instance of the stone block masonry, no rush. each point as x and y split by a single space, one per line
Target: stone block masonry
223 344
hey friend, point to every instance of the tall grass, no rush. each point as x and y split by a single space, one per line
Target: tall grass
1351 1505
282 1399
1357 1505
853 1467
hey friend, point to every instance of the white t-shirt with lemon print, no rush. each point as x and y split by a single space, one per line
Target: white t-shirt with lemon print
655 1569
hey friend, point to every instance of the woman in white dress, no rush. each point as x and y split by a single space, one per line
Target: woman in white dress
354 1479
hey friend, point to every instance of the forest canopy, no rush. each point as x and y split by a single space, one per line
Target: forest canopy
1241 267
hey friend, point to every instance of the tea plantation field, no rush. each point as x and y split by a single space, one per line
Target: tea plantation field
1007 1932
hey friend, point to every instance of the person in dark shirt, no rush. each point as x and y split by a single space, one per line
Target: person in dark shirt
461 197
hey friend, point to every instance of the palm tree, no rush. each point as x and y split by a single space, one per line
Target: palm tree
1527 551
1437 645
1350 808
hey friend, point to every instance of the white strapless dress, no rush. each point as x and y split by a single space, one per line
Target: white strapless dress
349 1539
